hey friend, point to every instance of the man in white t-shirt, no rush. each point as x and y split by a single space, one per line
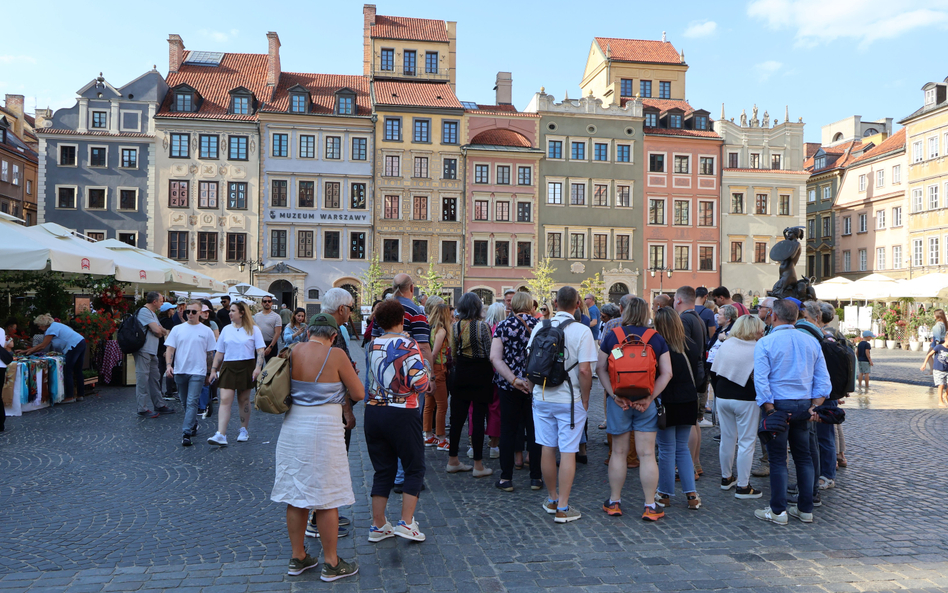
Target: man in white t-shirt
556 427
188 349
271 326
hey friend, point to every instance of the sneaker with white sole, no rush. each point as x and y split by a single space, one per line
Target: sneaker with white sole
728 483
341 570
495 452
298 566
377 534
826 483
409 531
218 439
550 506
747 492
470 453
444 445
570 514
243 436
768 515
794 511
705 423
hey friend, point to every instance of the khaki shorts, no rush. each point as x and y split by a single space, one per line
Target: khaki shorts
864 367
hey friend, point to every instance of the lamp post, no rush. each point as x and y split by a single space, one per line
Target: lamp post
662 270
253 264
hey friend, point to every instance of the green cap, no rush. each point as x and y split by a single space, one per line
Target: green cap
323 319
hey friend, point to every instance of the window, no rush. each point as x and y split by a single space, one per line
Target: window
421 167
95 236
419 250
656 163
390 250
450 169
705 213
760 252
333 195
929 96
183 102
623 153
880 219
207 247
236 246
656 211
917 200
651 119
623 196
896 257
705 258
449 209
682 257
674 120
737 251
880 258
307 194
664 90
237 146
449 252
240 105
480 253
681 164
600 195
29 188
207 194
847 261
419 208
555 150
554 247
933 147
847 225
408 62
393 129
917 253
524 254
706 165
129 160
98 156
431 62
863 223
67 156
128 199
524 176
345 105
280 142
863 260
622 247
524 212
481 210
66 197
503 175
600 151
862 183
449 132
625 87
897 174
577 245
333 147
501 253
298 103
811 195
775 162
357 196
656 256
392 209
577 194
755 161
178 245
422 130
932 197
208 146
178 194
99 119
359 149
392 168
502 211
600 246
737 203
682 217
761 204
331 249
783 205
645 88
811 229
277 243
897 216
554 194
578 151
880 177
827 226
96 198
356 245
304 244
237 195
933 251
732 161
481 173
917 154
701 122
387 61
307 146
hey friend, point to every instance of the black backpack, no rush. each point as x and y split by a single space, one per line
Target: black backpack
546 361
131 334
840 363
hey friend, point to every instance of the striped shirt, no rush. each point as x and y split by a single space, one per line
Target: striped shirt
415 324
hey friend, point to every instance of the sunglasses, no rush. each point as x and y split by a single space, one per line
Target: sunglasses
267 301
191 312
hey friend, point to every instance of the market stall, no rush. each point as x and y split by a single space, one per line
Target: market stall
32 383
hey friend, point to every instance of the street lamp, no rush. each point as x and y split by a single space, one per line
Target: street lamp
254 266
662 270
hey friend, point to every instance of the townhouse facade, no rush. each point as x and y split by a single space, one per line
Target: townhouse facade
18 173
97 161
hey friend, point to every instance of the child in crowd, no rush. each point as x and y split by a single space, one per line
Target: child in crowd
863 358
939 357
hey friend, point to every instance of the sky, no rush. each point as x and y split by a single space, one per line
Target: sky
825 59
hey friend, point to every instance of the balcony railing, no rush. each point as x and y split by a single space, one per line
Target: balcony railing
399 71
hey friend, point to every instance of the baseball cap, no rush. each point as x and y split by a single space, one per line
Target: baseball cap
794 301
166 307
323 319
868 334
205 308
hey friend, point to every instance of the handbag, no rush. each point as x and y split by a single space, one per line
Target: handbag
476 375
274 383
660 416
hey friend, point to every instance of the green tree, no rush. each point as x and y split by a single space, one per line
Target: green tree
372 285
594 286
431 283
541 285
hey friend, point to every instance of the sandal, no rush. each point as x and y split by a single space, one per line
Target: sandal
602 426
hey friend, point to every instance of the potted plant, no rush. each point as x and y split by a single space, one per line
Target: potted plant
890 320
90 377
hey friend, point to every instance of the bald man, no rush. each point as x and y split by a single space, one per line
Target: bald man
661 300
416 323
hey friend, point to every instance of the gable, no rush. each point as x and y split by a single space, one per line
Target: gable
594 62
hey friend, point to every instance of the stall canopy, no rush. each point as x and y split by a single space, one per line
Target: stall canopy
874 287
833 289
35 248
177 276
248 290
929 286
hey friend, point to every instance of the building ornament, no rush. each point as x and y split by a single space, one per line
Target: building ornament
743 118
577 267
766 122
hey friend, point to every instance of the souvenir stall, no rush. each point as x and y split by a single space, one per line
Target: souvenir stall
33 383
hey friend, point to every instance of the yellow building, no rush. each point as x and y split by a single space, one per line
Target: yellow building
620 69
926 144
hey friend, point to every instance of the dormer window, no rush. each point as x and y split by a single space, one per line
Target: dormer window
298 103
930 96
701 122
674 120
651 119
819 162
345 102
183 101
241 101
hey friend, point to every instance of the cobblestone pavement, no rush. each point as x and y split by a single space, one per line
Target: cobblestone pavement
900 366
94 498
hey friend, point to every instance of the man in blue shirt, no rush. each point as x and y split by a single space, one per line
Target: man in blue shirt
790 376
701 296
594 316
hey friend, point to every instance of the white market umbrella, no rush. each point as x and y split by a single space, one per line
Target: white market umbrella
875 287
36 248
929 286
833 289
248 290
170 279
183 277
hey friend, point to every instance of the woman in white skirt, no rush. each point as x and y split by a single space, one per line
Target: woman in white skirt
312 469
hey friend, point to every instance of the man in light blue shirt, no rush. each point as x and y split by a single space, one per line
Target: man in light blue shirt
790 376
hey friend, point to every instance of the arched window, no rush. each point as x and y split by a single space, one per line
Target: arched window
870 132
486 295
617 291
838 137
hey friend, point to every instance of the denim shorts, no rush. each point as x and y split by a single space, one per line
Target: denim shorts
864 367
619 421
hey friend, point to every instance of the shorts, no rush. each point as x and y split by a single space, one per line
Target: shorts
551 425
619 421
940 377
864 367
237 375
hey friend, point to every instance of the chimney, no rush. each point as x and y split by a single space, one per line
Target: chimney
175 52
368 19
504 88
42 116
273 59
14 104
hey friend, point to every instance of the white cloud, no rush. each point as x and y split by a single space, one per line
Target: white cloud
219 36
767 69
701 29
866 21
10 59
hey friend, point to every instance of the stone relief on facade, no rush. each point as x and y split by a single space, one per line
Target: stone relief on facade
222 170
743 118
179 169
236 220
766 122
177 218
193 169
577 267
192 219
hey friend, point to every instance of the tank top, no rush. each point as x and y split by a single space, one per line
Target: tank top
312 393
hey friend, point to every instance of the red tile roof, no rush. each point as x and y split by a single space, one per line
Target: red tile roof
215 83
639 50
57 131
664 105
322 89
735 170
418 94
809 149
680 132
894 142
501 138
409 29
845 150
497 108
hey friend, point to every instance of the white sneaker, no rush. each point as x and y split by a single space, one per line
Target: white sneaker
218 439
705 423
826 483
470 453
794 511
377 534
768 515
243 436
495 452
409 531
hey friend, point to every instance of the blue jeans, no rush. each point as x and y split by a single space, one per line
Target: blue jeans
826 433
673 449
189 391
73 382
798 437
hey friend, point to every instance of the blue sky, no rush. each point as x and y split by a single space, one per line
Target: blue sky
826 59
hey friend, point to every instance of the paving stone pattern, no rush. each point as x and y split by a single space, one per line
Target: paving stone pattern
94 498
